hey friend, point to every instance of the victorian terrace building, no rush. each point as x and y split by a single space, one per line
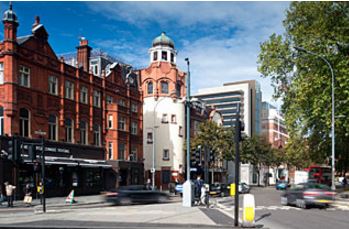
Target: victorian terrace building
85 118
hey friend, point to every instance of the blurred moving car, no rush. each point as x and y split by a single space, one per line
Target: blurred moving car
132 194
244 188
308 194
281 185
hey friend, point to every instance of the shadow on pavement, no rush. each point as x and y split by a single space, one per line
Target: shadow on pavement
62 224
263 216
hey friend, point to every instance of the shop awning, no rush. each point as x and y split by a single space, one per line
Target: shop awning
74 162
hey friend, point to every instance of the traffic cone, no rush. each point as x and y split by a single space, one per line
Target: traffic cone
70 198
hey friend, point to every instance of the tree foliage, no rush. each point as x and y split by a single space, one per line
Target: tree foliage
219 140
303 81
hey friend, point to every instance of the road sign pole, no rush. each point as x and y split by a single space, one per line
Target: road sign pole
237 165
43 174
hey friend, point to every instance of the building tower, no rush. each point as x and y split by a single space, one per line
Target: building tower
163 86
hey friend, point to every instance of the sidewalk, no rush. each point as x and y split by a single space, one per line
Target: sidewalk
60 201
170 215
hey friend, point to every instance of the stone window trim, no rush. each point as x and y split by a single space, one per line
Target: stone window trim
110 122
173 119
69 90
150 88
25 122
97 96
164 87
164 118
84 95
110 151
150 138
84 132
2 73
53 127
53 85
24 76
166 155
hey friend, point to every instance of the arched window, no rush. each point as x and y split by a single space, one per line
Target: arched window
24 122
52 128
155 55
164 87
83 133
69 127
1 121
97 135
150 88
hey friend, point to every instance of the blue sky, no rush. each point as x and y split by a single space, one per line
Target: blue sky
220 38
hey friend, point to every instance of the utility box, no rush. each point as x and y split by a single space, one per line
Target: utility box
188 194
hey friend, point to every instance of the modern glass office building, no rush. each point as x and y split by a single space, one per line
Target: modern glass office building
226 98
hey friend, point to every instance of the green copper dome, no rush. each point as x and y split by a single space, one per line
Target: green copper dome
163 40
10 15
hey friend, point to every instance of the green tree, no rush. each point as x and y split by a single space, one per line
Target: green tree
303 82
257 151
217 139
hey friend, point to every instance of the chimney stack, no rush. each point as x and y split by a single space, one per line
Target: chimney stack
84 53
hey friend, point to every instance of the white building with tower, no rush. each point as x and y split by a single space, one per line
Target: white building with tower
163 86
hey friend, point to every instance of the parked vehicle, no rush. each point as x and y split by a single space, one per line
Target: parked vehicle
179 189
281 185
135 194
218 189
308 194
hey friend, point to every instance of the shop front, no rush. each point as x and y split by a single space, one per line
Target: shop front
125 173
67 167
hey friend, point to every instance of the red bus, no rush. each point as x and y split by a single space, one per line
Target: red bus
319 174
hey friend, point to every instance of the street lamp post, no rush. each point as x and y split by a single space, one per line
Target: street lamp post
188 186
332 121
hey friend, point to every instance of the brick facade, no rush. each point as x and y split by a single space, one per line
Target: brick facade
62 100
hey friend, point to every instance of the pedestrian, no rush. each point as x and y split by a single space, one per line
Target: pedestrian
9 193
148 185
28 195
344 182
40 191
1 195
197 189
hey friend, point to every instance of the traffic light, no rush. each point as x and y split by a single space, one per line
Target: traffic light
241 128
31 152
195 157
14 149
10 147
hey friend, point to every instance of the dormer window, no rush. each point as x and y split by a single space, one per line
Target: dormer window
164 55
150 88
164 87
155 56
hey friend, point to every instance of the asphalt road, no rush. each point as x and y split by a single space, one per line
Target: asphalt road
271 214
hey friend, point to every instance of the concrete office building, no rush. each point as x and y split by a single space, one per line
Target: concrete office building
225 100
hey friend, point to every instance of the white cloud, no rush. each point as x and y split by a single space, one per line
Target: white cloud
231 33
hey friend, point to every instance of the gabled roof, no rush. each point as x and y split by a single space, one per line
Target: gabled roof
22 39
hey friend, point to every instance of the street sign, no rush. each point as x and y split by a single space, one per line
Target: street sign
40 132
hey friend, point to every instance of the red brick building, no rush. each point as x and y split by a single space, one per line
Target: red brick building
86 118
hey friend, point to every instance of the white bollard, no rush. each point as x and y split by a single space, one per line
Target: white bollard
248 210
